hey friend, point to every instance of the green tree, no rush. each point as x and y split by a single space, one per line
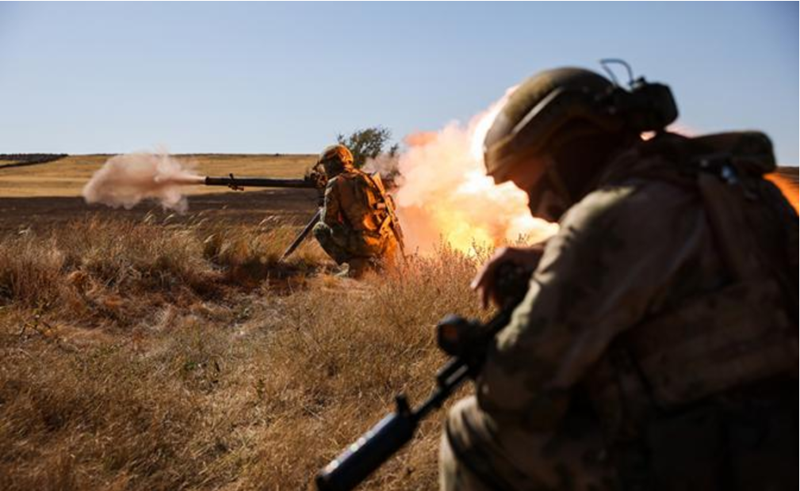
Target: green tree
367 144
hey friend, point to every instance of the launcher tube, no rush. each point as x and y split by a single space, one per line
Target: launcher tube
258 182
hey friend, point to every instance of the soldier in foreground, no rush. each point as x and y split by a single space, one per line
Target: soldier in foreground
656 347
357 226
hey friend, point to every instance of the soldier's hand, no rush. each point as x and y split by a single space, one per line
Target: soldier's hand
485 282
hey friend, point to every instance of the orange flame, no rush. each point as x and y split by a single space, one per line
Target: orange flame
787 187
445 195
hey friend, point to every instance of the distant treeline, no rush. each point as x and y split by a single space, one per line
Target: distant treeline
21 159
31 158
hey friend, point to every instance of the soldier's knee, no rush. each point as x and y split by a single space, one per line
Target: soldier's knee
448 466
457 432
461 409
454 473
328 239
321 231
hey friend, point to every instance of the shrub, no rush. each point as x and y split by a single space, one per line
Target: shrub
367 144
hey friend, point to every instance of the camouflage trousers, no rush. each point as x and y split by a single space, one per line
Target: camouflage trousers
476 454
345 246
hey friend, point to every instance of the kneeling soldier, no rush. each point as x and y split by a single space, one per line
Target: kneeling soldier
357 226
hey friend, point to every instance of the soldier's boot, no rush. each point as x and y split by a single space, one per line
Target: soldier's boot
358 267
343 272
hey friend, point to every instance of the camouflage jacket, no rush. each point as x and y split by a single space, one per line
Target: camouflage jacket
631 261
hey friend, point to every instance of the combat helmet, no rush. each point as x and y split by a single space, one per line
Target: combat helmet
335 159
557 107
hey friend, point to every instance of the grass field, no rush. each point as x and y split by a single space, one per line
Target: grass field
138 356
144 350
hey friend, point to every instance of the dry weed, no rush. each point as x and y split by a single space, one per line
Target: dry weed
199 382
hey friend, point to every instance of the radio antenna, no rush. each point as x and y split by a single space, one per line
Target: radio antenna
617 61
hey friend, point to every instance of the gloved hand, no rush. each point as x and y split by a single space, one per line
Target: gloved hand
488 282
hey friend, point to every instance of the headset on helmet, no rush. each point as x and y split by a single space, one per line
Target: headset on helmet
557 106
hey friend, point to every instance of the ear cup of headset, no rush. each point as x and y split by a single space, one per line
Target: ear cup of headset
649 107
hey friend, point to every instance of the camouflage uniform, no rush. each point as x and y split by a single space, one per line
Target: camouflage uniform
640 334
354 228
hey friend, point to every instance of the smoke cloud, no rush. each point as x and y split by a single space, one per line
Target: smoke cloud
126 180
383 164
444 194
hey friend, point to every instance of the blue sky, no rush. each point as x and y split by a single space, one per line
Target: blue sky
280 77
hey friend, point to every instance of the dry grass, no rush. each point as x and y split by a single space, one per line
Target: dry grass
150 356
67 176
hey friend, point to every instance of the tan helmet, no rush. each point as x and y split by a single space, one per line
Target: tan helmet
543 113
557 107
338 153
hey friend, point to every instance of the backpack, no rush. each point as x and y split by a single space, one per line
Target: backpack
678 392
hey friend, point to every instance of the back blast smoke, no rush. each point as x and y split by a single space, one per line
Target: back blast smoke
126 180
